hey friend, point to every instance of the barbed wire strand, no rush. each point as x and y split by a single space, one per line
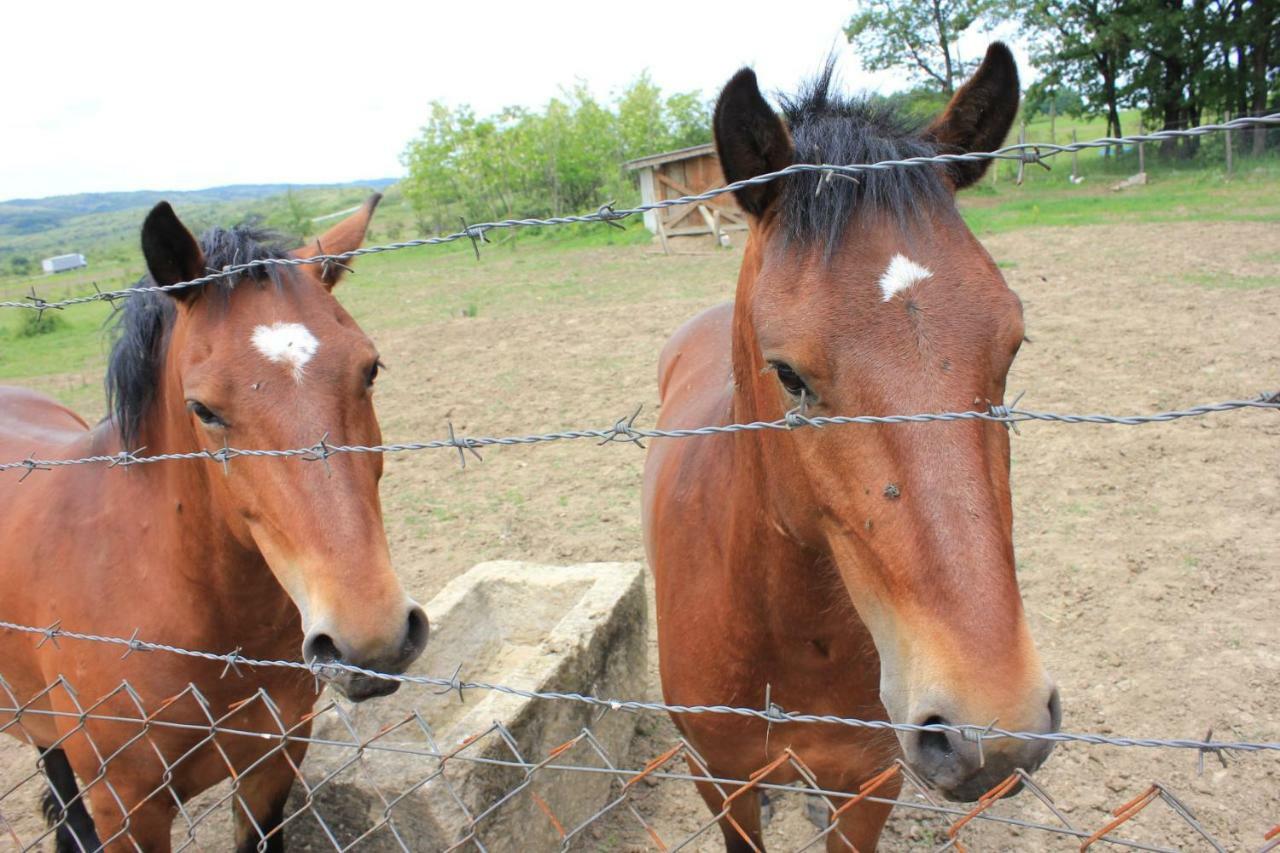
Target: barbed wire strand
1028 152
773 714
625 431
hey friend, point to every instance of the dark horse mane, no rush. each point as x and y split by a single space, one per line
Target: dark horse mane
140 328
827 127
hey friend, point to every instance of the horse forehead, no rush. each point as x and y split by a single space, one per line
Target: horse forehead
288 343
900 274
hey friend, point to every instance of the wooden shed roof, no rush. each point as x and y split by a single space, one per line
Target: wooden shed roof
669 157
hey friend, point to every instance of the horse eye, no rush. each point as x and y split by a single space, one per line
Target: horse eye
373 373
790 380
205 414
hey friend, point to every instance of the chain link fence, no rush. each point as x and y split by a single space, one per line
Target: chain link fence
402 787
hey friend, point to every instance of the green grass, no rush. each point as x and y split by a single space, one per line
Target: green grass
1172 195
1232 282
78 345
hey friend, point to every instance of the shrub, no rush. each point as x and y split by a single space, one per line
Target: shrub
37 323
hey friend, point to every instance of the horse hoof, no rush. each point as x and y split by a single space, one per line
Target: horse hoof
766 809
818 814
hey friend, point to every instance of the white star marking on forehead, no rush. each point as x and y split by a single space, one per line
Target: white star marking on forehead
286 343
901 274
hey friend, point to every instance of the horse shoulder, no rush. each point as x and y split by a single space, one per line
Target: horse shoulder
696 349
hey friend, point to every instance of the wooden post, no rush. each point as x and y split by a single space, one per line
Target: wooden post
712 222
662 233
1075 160
1022 163
1053 117
1142 152
1228 133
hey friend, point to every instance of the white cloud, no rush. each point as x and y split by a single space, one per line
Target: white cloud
172 95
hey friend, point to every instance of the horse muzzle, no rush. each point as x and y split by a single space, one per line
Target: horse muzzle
336 659
963 769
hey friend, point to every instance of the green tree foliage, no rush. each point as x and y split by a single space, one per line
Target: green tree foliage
1085 46
919 35
1179 61
565 158
297 220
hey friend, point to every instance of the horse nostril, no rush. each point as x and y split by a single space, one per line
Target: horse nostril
320 648
415 639
935 747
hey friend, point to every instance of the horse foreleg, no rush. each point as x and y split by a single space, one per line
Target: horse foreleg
745 812
262 798
64 807
147 825
858 828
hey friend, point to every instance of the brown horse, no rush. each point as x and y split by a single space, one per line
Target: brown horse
281 559
861 571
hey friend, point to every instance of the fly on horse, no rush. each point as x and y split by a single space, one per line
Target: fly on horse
860 571
269 558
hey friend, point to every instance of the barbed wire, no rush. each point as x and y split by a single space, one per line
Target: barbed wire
1027 152
773 714
625 431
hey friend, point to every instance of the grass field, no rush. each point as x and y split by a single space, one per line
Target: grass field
538 256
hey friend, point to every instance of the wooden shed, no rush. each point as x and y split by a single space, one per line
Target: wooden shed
688 171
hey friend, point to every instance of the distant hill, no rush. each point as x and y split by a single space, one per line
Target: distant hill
24 216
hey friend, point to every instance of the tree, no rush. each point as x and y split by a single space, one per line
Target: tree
297 219
1181 61
565 158
1086 44
918 34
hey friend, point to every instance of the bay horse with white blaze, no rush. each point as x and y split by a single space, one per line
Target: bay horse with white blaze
275 558
859 571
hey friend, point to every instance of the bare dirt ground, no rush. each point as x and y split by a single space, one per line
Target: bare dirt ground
1147 555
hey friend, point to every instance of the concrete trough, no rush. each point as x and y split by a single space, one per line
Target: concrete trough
579 629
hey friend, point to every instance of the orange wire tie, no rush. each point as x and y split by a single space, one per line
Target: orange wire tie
569 744
546 810
653 833
236 706
165 704
866 789
755 779
653 765
985 802
1124 813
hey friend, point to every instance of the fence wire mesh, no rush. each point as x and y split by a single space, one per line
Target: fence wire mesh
409 785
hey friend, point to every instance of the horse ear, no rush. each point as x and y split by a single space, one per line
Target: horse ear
171 252
346 236
979 115
751 140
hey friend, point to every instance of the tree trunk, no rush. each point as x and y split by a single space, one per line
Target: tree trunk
1259 105
944 43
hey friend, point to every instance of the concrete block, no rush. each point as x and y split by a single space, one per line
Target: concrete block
579 629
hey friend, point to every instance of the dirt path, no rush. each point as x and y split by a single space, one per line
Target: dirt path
1148 556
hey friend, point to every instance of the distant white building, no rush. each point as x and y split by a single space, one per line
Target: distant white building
62 263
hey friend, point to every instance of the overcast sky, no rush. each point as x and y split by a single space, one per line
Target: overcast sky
172 95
